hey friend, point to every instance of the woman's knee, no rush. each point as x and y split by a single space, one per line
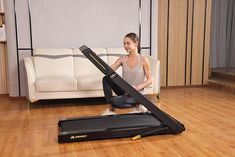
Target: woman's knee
105 79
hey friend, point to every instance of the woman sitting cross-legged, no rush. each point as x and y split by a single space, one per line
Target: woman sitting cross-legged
135 70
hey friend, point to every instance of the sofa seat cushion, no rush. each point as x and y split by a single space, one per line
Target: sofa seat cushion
90 83
55 84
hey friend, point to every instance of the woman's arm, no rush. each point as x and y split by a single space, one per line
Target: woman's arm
146 68
117 63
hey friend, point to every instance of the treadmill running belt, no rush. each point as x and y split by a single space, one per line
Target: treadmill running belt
108 122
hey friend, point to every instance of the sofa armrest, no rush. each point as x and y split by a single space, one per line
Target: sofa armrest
155 72
30 78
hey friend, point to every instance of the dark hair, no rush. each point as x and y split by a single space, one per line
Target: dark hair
135 39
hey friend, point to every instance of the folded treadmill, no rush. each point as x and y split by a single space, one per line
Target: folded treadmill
135 125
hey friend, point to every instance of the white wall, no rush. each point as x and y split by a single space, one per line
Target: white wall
63 23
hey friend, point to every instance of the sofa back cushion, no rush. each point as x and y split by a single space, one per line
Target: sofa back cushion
113 54
89 77
50 62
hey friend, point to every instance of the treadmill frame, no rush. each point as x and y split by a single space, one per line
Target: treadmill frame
169 124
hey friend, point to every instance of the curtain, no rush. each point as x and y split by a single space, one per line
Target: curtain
222 52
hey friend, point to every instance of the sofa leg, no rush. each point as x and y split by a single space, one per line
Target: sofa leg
33 100
29 104
158 101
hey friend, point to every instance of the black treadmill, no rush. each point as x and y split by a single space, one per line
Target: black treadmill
116 126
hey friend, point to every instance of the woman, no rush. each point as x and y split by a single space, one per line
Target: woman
135 70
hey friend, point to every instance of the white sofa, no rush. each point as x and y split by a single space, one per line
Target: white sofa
67 73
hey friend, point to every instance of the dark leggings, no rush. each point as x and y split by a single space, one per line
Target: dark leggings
109 86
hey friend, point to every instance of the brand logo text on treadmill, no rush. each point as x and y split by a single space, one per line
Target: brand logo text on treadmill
78 136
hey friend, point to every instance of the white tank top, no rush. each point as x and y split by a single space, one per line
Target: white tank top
135 75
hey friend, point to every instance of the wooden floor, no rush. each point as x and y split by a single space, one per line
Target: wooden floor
208 115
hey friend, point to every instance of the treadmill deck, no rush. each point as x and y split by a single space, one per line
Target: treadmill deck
109 122
105 127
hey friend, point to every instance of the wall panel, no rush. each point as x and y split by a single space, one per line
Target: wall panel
3 58
3 70
177 42
189 42
207 42
198 42
162 37
184 35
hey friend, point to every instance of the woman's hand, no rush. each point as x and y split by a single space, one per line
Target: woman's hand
136 88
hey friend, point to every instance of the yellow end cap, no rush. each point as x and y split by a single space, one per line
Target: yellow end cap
136 137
